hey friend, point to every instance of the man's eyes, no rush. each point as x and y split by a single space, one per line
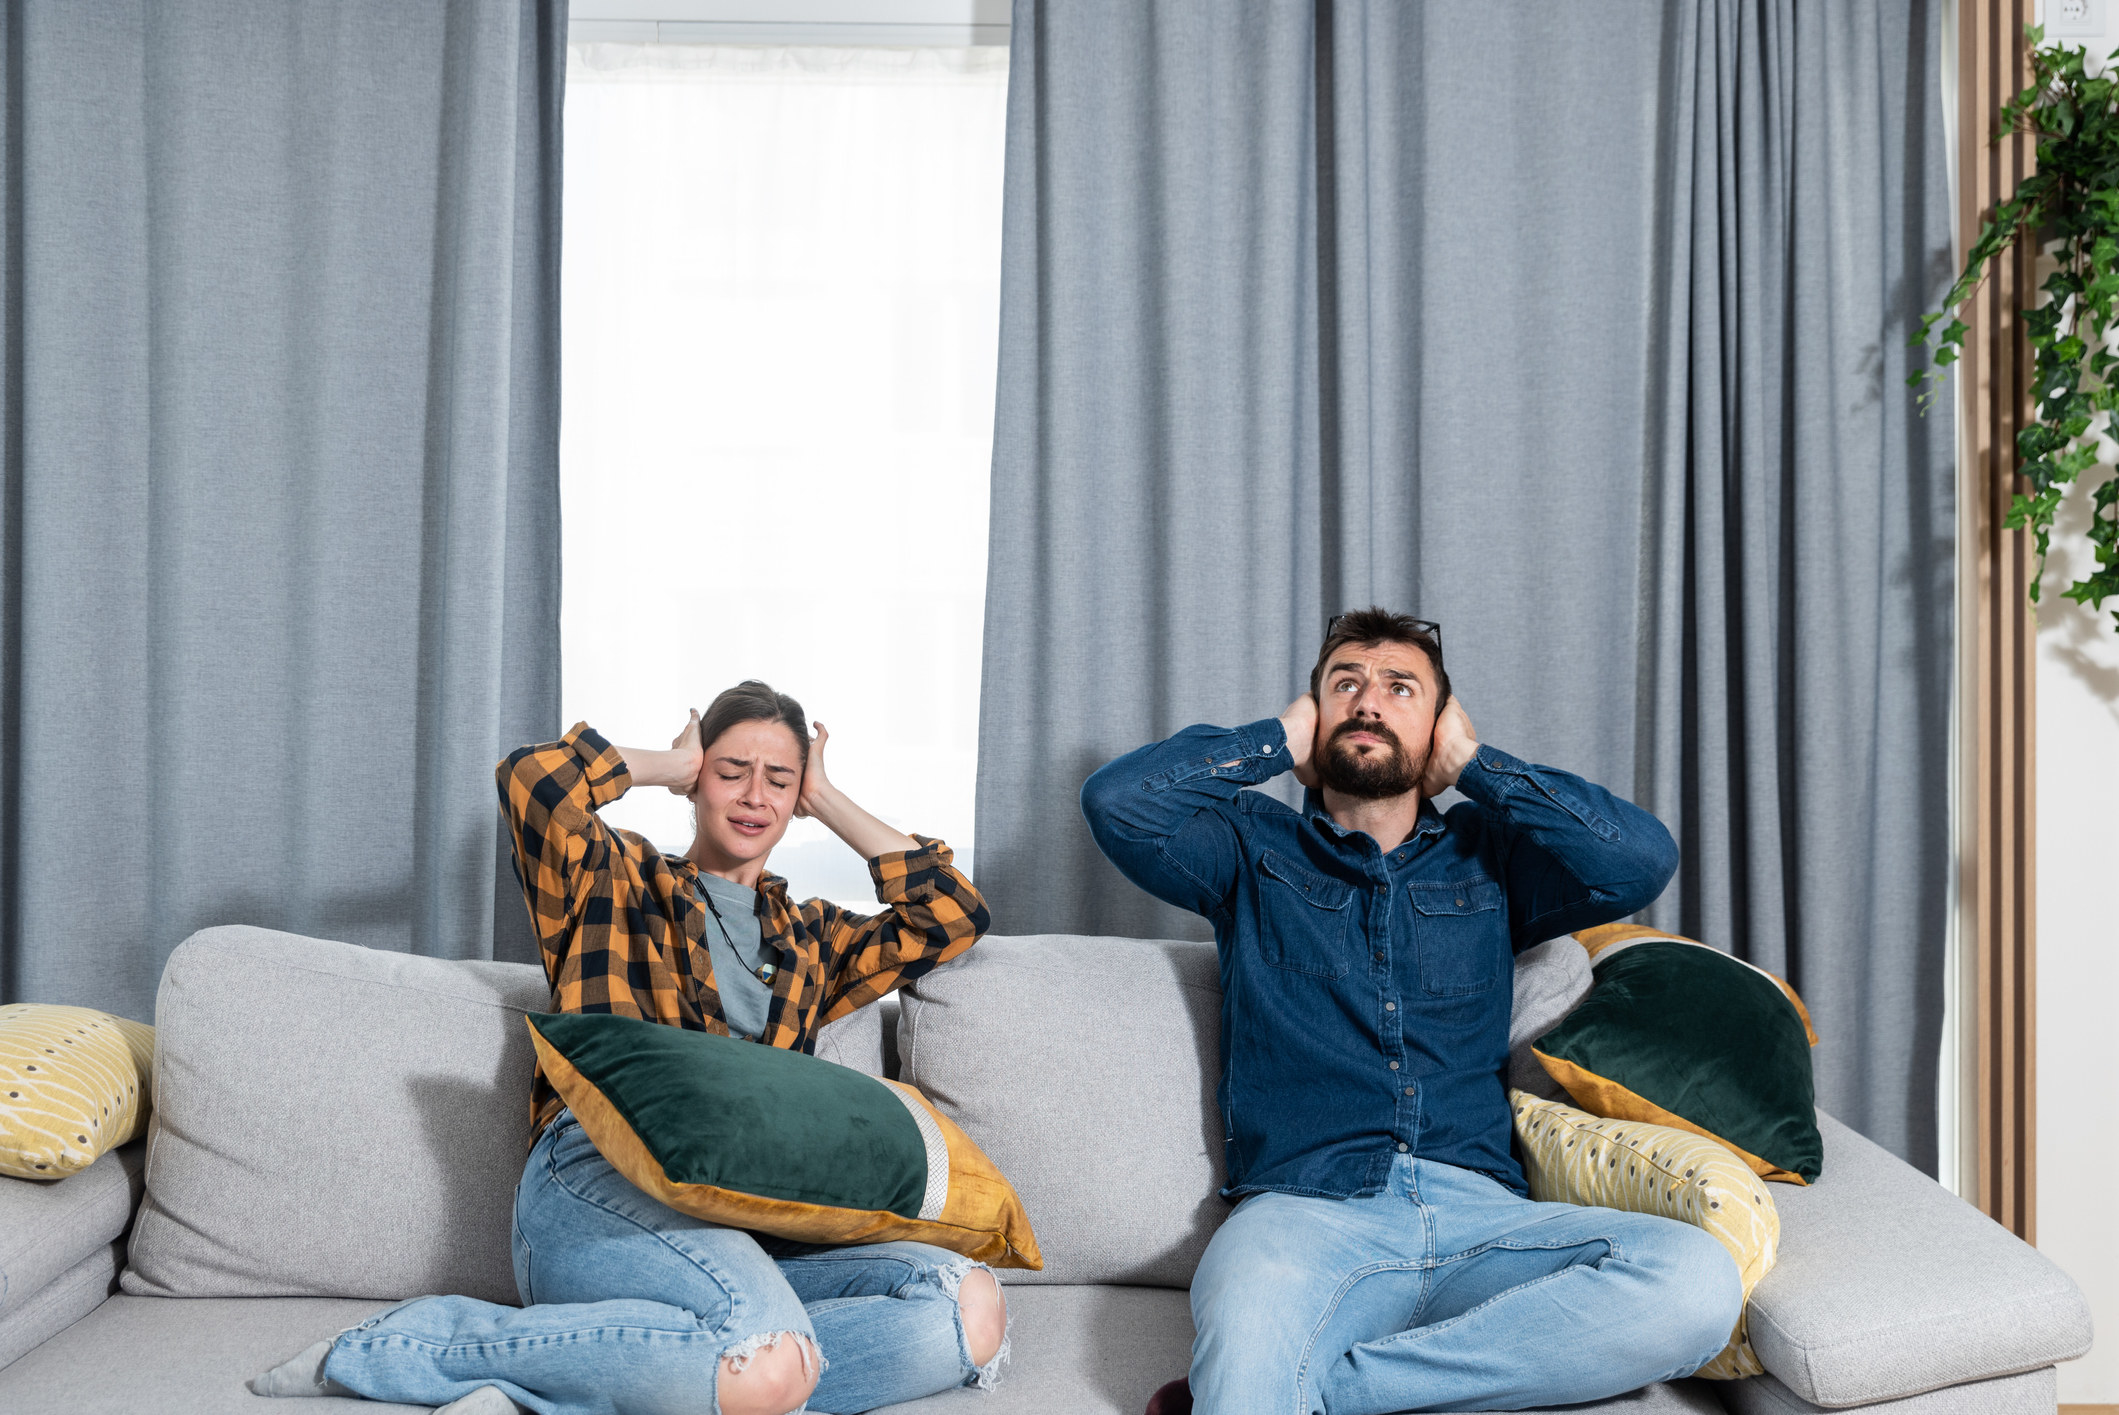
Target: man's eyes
1349 685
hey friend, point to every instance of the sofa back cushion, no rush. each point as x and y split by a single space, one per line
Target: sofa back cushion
336 1121
1086 1067
333 1121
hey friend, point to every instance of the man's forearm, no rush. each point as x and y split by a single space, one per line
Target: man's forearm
1597 856
1138 805
1151 791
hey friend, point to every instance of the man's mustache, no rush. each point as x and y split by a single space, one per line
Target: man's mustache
1374 729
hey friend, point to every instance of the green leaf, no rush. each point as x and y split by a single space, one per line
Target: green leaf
2071 202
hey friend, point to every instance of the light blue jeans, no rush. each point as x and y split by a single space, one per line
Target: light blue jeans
1448 1292
629 1307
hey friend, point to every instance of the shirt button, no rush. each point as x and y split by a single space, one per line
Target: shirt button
1408 1090
1390 1007
1394 1066
1403 1148
1379 955
1460 904
1266 750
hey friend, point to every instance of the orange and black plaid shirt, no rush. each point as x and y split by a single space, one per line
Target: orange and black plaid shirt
622 929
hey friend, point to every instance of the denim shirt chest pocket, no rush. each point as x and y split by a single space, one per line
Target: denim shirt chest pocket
1462 935
1305 925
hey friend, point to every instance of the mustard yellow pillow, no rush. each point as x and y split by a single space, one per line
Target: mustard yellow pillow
1573 1157
74 1082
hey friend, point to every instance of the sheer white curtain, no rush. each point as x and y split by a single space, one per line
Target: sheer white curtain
780 312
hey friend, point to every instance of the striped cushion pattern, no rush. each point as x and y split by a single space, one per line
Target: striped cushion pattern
74 1082
1573 1157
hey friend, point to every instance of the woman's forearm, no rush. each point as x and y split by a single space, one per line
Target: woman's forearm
868 836
678 769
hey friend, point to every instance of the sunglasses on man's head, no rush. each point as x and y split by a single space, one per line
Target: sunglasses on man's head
1427 627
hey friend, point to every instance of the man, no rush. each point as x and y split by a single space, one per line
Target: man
1384 1255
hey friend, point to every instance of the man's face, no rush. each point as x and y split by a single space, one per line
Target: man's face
1375 720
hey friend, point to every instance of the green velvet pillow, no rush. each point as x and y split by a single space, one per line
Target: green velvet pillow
774 1141
1676 1033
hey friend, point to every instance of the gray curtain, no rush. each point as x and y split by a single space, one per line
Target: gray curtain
1576 328
278 473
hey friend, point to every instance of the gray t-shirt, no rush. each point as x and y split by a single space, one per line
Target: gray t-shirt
737 957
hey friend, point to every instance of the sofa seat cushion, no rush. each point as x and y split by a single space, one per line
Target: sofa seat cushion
1079 1351
51 1227
333 1121
60 1303
184 1356
2031 1393
1103 1351
1074 1351
1889 1285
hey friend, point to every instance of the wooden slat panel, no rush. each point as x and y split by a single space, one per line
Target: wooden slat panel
2000 877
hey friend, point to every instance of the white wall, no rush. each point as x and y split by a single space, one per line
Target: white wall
2078 938
2078 958
2078 954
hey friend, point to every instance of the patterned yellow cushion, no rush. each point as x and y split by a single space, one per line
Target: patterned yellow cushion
1573 1157
74 1082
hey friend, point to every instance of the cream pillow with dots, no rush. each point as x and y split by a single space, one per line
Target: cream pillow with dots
1573 1157
74 1082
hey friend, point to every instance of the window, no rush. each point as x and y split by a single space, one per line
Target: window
780 311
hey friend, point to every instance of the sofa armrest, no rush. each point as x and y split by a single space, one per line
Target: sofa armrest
1889 1285
49 1228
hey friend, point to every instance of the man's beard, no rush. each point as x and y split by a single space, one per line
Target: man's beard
1375 777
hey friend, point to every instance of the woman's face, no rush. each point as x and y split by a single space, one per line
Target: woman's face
747 790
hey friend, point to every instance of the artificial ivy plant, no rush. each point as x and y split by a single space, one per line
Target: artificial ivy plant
2071 205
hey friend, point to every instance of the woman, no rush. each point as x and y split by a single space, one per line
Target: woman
631 1305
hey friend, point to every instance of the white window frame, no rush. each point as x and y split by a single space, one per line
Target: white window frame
882 22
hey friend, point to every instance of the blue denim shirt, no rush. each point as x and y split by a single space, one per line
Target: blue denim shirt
1365 997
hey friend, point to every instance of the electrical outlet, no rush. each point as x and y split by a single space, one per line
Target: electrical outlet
2074 19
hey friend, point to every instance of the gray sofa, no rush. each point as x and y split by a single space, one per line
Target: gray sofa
337 1127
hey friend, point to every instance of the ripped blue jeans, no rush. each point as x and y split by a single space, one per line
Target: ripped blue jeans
629 1307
